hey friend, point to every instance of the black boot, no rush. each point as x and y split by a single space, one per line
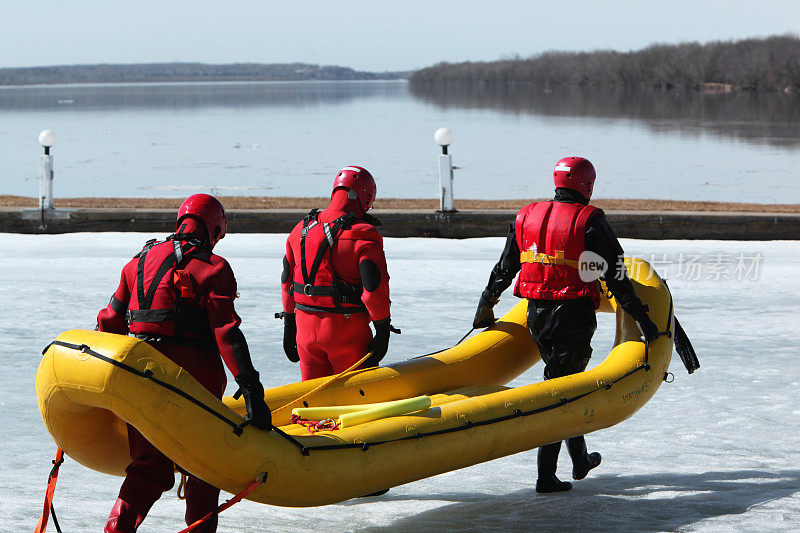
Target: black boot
547 462
582 461
552 484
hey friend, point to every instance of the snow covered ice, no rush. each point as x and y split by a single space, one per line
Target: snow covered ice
715 451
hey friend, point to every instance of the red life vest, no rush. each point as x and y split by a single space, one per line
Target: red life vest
554 233
163 305
316 287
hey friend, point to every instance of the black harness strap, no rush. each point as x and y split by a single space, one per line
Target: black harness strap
185 316
331 233
140 270
324 247
309 221
150 315
340 291
146 300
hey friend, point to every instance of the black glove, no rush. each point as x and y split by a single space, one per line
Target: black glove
634 307
258 413
484 316
649 329
289 336
380 342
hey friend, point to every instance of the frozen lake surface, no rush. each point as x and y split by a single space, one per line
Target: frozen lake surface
715 451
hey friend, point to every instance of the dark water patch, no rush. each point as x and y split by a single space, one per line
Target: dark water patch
758 118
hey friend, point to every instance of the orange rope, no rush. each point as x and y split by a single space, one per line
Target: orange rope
260 480
324 384
48 495
313 426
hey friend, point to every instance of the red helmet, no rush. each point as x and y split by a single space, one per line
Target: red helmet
209 211
359 182
575 173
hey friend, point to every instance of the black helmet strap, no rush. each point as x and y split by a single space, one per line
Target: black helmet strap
204 237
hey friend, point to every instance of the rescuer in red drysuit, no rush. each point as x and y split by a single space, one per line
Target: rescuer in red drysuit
178 296
335 282
561 305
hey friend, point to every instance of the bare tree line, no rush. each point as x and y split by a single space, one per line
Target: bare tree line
183 72
769 64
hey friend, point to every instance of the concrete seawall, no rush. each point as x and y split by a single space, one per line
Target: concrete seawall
418 223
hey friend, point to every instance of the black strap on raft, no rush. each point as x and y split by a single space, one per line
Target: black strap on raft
467 334
667 331
517 413
340 291
682 343
148 374
685 349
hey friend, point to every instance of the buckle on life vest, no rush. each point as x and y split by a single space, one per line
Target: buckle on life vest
308 289
528 256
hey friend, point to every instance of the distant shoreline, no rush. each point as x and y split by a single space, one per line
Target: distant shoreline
175 83
279 202
185 73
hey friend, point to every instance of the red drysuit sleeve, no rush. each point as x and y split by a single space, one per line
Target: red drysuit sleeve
112 319
222 317
369 247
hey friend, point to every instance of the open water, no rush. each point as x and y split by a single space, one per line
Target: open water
713 452
289 138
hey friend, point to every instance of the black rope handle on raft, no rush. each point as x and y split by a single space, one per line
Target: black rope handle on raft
667 332
445 349
148 374
517 413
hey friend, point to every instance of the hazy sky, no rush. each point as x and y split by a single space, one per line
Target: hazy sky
366 35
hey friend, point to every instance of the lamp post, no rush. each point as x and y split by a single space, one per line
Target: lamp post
444 138
47 139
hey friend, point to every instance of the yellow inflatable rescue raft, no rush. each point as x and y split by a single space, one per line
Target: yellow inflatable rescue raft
89 384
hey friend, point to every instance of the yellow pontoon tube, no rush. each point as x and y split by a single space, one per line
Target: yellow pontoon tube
89 384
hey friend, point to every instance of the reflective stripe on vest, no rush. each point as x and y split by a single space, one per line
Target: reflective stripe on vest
547 260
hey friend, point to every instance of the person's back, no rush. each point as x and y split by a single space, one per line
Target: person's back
178 296
544 245
335 282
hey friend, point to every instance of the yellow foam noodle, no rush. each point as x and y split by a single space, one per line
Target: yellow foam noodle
399 407
333 411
